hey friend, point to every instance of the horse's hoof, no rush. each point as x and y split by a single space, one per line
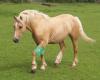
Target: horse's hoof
42 68
56 64
73 65
33 71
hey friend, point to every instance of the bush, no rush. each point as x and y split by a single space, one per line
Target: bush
62 1
16 1
54 1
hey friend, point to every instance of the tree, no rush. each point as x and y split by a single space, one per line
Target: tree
29 1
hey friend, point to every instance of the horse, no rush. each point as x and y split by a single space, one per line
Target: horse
49 30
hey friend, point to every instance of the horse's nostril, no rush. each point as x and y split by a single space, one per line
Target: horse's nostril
15 40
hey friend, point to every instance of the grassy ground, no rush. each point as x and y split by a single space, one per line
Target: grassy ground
15 59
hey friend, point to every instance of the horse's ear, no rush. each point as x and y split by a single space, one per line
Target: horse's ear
15 18
21 18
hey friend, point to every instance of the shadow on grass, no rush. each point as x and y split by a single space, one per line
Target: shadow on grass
25 67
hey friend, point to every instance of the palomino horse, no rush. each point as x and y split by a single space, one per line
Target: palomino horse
49 30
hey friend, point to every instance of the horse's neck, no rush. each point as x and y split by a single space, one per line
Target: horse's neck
37 20
33 22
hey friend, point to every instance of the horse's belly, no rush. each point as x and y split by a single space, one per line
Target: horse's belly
57 37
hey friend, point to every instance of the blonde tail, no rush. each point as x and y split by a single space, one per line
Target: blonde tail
82 33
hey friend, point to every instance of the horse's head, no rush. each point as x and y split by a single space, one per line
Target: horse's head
19 28
26 19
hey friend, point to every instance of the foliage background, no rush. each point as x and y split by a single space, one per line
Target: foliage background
15 59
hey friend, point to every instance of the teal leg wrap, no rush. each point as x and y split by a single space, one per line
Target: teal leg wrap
39 50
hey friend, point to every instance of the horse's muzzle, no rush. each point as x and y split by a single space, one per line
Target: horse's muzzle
15 40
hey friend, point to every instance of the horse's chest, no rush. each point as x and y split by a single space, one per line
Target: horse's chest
38 36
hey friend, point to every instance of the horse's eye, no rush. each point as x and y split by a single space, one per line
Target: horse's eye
20 27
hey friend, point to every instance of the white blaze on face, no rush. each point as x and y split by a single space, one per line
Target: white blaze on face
16 34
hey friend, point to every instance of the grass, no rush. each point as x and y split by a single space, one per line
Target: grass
15 59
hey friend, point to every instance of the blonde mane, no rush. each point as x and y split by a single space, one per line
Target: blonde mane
34 12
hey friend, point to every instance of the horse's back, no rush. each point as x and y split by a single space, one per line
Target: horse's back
62 25
63 16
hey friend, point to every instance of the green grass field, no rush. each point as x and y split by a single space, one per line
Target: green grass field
15 59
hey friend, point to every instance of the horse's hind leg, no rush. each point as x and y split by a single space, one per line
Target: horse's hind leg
60 54
75 47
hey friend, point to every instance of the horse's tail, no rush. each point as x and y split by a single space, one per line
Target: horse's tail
82 33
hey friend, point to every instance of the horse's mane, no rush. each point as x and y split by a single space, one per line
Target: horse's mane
34 12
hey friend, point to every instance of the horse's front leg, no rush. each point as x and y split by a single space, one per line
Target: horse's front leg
43 45
39 51
34 65
43 63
